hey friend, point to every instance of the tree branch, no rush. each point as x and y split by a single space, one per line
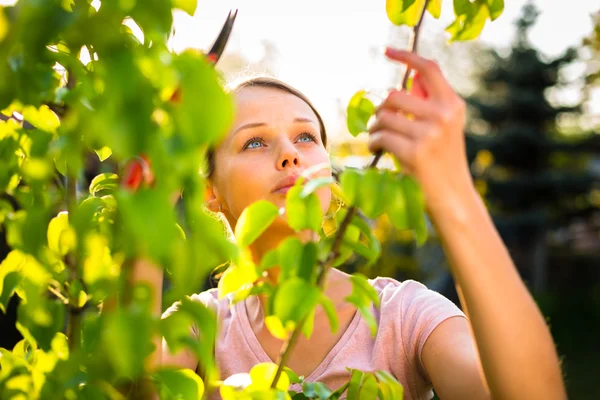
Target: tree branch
289 344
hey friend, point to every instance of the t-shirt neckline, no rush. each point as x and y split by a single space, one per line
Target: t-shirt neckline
262 356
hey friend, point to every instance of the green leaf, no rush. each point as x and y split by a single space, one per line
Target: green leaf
338 392
390 387
314 184
303 213
263 374
329 309
372 242
238 276
354 386
132 330
10 276
153 236
415 202
61 236
289 306
399 14
41 320
373 192
255 219
103 184
350 181
316 390
189 6
496 8
368 387
212 112
396 207
362 288
309 324
308 262
461 7
362 296
103 153
359 111
434 7
179 383
468 25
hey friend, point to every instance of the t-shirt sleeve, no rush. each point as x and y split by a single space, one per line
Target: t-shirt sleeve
207 298
422 310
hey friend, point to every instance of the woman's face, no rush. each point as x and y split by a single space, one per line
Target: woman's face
274 138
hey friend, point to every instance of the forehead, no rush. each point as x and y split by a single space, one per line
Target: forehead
270 105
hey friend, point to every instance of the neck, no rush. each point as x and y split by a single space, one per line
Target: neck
270 239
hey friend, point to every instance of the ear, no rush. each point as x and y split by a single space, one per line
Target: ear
211 196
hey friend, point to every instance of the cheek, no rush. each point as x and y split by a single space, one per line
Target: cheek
245 185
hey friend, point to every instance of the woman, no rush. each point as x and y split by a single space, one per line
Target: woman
503 350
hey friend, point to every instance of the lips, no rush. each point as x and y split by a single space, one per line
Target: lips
284 185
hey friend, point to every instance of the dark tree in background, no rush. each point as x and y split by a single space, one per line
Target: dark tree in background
541 183
534 178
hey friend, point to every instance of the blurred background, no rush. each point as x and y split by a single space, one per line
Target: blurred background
532 82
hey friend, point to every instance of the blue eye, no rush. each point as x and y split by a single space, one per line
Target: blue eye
253 143
307 137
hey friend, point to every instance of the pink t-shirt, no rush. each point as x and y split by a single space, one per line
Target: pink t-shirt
408 314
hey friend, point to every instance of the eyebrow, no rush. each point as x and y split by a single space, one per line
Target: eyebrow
259 124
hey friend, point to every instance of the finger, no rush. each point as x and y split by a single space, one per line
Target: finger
432 77
417 88
409 104
387 119
401 147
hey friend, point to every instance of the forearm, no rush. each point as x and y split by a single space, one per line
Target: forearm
145 272
516 349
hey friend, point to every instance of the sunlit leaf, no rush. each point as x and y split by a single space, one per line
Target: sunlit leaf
470 20
288 306
303 213
330 311
363 296
189 6
350 181
314 184
262 376
496 8
255 219
435 8
415 203
180 383
61 236
354 384
103 184
396 207
9 276
391 389
276 328
373 192
359 111
399 14
103 153
238 275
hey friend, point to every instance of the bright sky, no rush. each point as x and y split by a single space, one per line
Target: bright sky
326 46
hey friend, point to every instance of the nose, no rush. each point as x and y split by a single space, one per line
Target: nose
288 156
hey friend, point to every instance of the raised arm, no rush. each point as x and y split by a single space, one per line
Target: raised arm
506 337
143 271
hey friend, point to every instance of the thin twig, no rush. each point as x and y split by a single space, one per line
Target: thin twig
58 294
289 344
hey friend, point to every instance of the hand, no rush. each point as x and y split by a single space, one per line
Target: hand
424 130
